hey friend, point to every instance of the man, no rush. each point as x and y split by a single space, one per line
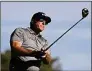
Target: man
27 45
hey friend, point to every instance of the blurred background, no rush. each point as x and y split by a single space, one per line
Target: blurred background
71 52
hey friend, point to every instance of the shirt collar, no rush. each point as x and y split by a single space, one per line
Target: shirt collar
32 32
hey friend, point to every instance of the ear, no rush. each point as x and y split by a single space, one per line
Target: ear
33 21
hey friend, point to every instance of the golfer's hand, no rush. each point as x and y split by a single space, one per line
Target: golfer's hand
38 54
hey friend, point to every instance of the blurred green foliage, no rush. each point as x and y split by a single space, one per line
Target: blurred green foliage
5 58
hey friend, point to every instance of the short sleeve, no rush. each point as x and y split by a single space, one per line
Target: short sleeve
17 35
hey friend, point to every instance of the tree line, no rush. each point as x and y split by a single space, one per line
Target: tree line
5 58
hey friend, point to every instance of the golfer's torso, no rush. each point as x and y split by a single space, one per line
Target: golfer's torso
33 42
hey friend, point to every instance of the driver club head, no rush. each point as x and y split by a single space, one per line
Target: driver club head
85 12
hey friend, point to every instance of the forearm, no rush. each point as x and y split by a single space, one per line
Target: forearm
47 59
19 50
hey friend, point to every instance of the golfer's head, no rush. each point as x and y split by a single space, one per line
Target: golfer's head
40 20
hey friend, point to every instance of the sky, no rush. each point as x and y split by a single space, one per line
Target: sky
73 49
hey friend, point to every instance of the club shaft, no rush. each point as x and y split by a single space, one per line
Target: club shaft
62 35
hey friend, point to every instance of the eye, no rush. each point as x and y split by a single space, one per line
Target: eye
43 23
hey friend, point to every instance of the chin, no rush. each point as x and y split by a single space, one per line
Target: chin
41 30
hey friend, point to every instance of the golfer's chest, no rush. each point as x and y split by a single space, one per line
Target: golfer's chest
33 41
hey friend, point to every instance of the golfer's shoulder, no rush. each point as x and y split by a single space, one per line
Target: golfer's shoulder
19 30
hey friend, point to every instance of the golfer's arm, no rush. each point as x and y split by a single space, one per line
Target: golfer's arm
47 58
16 46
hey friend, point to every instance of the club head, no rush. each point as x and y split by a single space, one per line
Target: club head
85 12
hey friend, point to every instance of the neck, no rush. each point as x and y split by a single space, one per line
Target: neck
35 30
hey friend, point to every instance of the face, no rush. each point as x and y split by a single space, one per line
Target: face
40 25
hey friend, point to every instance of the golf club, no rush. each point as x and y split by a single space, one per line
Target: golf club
85 12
